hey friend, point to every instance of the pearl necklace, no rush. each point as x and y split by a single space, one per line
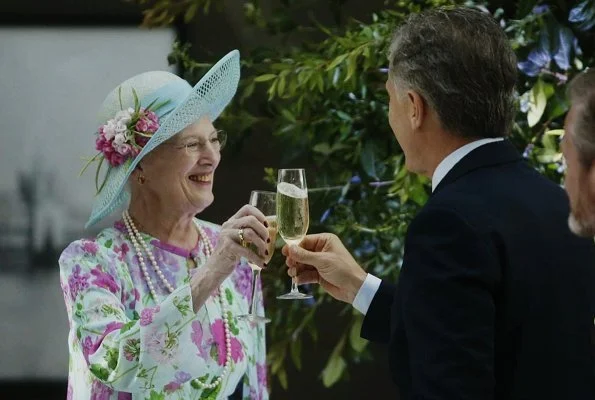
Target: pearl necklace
136 238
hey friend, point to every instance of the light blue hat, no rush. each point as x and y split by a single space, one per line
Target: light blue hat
186 105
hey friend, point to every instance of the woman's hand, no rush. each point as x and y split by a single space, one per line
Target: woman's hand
229 250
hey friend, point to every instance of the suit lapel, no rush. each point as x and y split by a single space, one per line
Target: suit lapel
490 154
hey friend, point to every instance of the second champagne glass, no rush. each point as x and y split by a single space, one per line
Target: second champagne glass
293 216
265 202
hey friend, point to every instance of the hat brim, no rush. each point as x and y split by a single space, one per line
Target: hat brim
208 97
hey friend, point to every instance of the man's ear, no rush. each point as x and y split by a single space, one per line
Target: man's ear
417 109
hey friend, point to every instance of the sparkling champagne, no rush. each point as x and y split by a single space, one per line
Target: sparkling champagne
272 221
292 212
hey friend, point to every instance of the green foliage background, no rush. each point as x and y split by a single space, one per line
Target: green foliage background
321 94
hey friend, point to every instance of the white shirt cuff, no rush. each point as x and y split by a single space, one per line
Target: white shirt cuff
366 293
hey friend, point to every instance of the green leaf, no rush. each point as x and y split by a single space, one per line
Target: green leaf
357 343
248 91
190 12
555 132
288 115
281 86
111 358
344 116
546 156
136 101
265 77
99 371
368 160
229 296
127 326
156 396
97 186
537 102
322 148
296 351
335 365
351 66
282 376
108 243
338 60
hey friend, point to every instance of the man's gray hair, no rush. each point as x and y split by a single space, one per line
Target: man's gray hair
460 61
581 92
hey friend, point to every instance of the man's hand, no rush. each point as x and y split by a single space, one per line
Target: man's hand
323 259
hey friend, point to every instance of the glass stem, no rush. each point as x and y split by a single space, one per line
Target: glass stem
294 286
255 275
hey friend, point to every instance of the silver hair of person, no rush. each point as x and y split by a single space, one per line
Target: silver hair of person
461 62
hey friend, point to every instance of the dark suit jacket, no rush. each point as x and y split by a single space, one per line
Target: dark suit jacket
496 298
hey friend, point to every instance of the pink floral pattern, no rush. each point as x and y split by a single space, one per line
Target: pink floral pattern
104 280
219 337
121 342
146 315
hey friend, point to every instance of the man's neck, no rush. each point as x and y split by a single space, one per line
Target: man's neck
443 148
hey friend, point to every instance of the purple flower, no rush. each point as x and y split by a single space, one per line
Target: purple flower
89 347
182 376
112 326
167 263
119 225
142 125
90 247
146 315
77 282
121 251
325 215
540 9
219 337
158 348
124 396
583 15
99 391
171 387
197 338
528 150
261 373
135 298
562 54
243 281
104 280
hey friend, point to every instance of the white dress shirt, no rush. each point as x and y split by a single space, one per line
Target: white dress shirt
366 293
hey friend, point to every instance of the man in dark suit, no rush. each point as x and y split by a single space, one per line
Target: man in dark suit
495 298
578 147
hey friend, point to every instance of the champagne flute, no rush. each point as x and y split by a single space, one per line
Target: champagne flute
293 217
265 202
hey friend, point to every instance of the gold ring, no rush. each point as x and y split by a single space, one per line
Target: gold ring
241 235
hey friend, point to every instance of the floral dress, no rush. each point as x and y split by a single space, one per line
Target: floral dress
124 345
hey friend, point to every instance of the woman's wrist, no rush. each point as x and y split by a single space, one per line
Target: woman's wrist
204 282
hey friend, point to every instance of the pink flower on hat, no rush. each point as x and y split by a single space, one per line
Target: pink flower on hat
123 136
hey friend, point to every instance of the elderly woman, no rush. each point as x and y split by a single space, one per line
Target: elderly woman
152 301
